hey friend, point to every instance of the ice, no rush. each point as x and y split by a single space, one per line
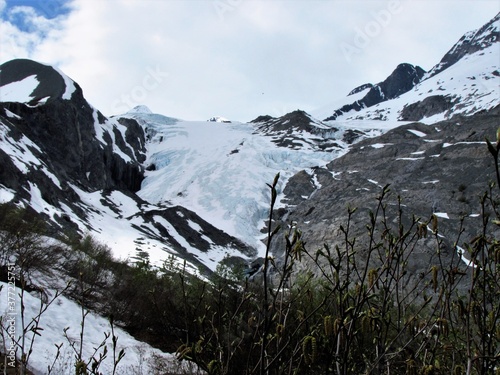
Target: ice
220 171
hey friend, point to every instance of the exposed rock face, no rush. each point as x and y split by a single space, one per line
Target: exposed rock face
425 108
52 84
79 171
360 88
401 80
441 169
65 132
298 129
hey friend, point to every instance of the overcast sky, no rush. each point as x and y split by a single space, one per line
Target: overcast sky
194 59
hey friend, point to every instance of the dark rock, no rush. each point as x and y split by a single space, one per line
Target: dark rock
263 118
51 82
401 80
425 108
360 88
443 168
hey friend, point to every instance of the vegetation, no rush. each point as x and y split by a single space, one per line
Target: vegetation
354 308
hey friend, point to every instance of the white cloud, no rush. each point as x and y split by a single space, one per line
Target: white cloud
240 58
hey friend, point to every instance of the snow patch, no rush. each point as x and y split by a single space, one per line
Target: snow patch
20 91
417 133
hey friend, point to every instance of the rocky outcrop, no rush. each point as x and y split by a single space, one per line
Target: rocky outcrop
401 80
79 171
441 169
66 132
298 129
425 108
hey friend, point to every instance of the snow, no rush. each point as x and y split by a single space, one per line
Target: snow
64 313
6 195
68 82
443 215
110 228
20 151
461 253
11 114
417 133
19 91
218 119
471 84
197 168
410 159
380 145
327 110
463 143
140 109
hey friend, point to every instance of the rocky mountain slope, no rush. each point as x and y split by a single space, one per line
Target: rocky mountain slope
80 171
439 170
156 188
465 81
125 180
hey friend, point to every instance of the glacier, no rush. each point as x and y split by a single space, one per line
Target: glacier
219 170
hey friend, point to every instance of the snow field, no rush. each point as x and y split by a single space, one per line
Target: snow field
64 313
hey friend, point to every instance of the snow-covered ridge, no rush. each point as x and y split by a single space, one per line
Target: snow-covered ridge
469 86
19 84
465 81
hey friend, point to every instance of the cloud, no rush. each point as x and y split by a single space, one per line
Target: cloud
240 58
24 30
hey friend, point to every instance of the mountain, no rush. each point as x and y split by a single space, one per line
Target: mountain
154 186
439 170
229 165
470 43
80 171
465 81
401 80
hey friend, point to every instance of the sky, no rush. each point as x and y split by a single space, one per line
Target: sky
194 59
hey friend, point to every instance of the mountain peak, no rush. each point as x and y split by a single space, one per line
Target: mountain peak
401 80
469 43
140 109
34 83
